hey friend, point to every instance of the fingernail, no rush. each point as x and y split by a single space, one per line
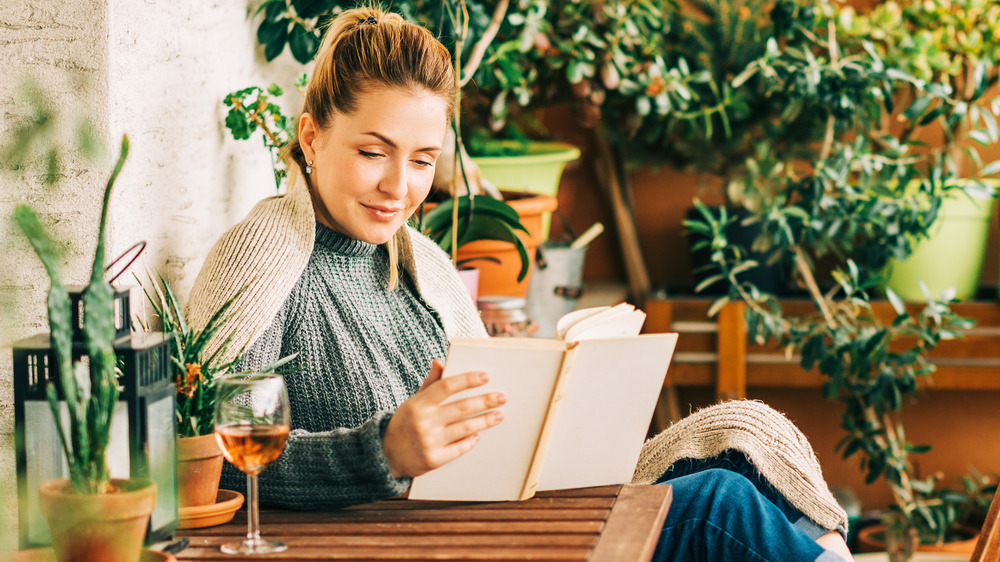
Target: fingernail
483 377
499 399
497 416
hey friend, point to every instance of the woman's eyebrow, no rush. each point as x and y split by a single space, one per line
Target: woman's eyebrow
392 144
382 138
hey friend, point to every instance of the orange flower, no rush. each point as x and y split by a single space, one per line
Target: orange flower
191 380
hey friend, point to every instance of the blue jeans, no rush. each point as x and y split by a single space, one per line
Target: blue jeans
722 510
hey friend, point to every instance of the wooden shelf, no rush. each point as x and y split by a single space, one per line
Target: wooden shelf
715 351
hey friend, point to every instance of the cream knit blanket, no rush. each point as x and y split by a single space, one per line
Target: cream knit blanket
776 448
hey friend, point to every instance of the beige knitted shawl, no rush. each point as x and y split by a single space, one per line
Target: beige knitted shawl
776 448
267 252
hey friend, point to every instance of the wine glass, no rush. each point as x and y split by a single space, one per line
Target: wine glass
251 425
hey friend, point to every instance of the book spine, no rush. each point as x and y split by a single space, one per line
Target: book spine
535 468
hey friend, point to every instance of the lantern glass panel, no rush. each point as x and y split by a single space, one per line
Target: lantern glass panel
45 461
117 455
161 440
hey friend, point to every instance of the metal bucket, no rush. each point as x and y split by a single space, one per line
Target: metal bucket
555 287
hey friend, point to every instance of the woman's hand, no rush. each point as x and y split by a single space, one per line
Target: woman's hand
423 434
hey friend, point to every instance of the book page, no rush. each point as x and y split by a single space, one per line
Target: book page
524 369
606 407
619 321
569 319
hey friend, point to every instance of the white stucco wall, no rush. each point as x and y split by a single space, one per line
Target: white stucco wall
158 72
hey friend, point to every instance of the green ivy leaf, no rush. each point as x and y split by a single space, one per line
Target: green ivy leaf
271 31
303 44
239 125
918 107
981 79
308 8
991 168
980 136
273 36
273 10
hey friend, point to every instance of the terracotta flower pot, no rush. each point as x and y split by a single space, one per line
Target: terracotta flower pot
872 539
108 527
199 466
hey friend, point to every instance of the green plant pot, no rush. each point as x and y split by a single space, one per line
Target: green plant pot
537 172
953 254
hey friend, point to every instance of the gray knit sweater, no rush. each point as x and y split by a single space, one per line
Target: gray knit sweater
363 350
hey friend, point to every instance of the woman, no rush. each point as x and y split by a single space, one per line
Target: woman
334 274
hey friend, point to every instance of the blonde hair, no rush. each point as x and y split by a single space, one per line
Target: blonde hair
365 49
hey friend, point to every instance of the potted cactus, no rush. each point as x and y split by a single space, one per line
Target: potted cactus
91 516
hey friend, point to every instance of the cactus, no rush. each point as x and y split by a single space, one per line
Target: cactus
90 397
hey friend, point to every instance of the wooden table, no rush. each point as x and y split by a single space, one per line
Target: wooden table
607 523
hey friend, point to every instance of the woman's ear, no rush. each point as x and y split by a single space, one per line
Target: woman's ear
307 136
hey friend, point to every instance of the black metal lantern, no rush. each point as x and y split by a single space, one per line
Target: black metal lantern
143 429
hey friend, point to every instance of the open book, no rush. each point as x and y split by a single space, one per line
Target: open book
578 407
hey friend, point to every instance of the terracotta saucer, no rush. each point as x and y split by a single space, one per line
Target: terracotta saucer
222 511
49 555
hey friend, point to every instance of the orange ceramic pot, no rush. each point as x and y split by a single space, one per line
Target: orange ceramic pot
199 466
109 527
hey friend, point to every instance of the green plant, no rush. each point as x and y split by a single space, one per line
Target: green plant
847 206
90 387
195 370
951 48
729 114
196 356
607 59
479 218
246 115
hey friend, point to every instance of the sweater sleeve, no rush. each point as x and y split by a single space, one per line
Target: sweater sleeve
319 470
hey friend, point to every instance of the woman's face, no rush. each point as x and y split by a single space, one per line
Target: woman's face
373 167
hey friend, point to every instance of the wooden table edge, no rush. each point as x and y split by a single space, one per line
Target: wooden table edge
633 527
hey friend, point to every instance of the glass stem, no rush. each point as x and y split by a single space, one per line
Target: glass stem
253 519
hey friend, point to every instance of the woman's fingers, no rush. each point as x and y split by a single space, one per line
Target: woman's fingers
454 411
442 389
425 433
457 448
437 368
469 426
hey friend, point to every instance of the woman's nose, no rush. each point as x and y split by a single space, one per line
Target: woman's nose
394 182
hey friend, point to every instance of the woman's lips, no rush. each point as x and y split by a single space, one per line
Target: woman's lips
383 213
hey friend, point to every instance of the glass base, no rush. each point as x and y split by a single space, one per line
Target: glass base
256 546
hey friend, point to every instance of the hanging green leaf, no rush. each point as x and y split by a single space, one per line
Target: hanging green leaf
918 107
303 44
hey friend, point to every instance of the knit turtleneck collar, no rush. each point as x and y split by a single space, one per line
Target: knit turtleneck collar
340 244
